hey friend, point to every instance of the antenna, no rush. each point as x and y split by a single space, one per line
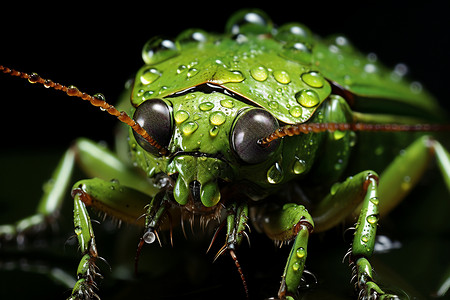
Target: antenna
298 129
97 100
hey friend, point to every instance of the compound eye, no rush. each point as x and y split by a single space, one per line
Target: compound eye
251 126
154 115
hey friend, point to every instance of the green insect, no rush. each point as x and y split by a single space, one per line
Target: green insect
267 127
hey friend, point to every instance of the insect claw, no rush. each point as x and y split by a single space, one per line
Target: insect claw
215 235
221 251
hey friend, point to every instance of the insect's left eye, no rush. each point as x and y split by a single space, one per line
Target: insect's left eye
251 126
154 115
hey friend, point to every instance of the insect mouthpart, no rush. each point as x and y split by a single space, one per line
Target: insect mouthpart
197 181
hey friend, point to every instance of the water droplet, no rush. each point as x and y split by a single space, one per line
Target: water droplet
234 76
214 131
406 183
337 135
299 166
249 22
365 238
205 106
259 73
189 127
149 237
192 72
295 111
313 79
301 252
374 200
353 138
149 76
416 87
78 230
192 36
297 51
273 104
372 219
281 76
275 174
370 68
147 95
372 57
334 188
293 32
296 266
217 118
379 150
181 69
227 103
307 98
157 50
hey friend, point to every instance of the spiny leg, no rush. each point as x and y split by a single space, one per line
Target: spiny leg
117 201
236 222
287 223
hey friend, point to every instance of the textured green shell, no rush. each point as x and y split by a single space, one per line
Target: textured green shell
286 70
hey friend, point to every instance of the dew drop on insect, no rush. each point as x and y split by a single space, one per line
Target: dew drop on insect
296 266
299 166
205 106
149 237
149 76
416 87
189 127
295 111
281 76
406 183
259 73
192 72
365 238
192 36
313 79
275 174
273 104
157 50
372 219
293 32
214 131
374 200
301 252
78 230
181 116
217 118
334 188
370 68
307 98
227 103
233 76
181 69
338 134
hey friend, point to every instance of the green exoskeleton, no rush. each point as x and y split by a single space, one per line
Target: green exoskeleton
267 127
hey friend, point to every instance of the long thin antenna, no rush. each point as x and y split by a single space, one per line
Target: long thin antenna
298 129
95 100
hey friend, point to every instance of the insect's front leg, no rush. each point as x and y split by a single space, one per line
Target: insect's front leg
282 224
118 201
49 205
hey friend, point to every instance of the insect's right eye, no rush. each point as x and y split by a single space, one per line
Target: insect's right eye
251 126
155 117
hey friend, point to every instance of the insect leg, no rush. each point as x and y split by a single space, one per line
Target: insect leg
113 199
407 169
49 205
283 224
